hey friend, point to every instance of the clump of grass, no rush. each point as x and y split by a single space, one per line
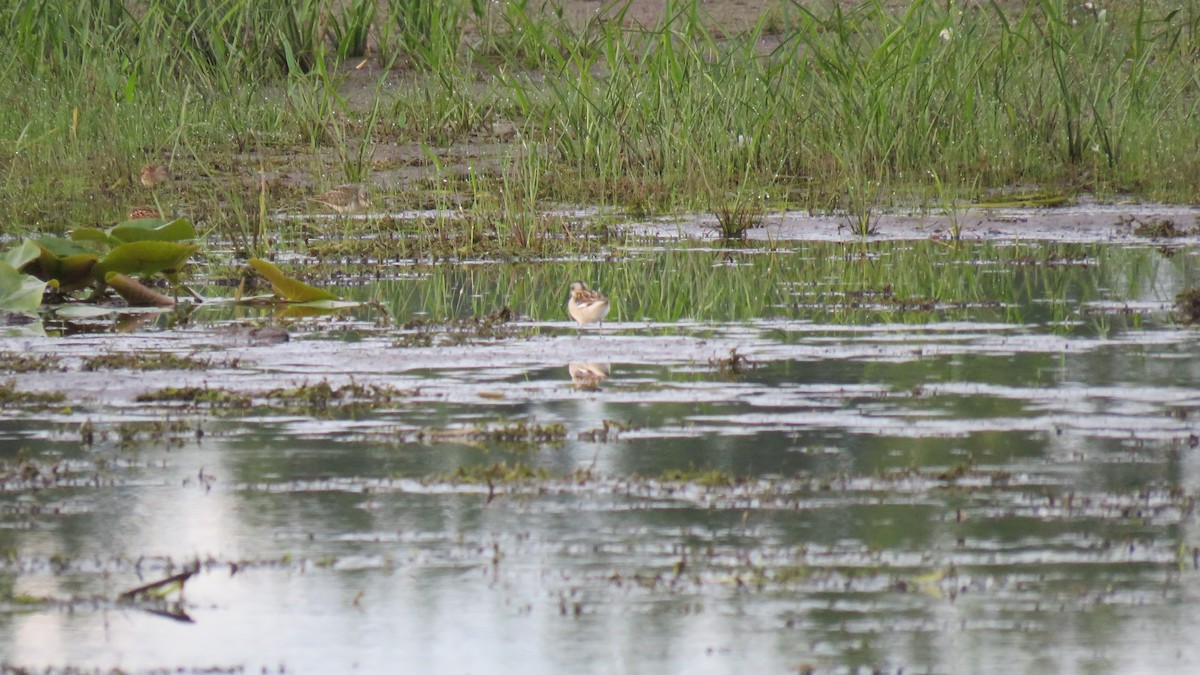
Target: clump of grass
492 326
609 430
500 472
173 432
862 212
322 396
734 220
355 153
734 365
29 363
712 478
350 30
144 361
197 396
516 432
481 233
887 296
428 33
1158 228
950 206
25 473
302 25
312 399
1187 305
958 470
10 395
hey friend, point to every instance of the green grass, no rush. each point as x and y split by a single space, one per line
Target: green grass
830 108
826 283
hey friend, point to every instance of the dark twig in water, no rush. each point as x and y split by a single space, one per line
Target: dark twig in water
146 589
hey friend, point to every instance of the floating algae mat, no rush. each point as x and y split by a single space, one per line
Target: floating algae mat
917 456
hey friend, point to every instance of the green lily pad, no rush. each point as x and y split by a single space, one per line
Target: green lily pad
153 229
84 311
65 262
61 248
332 304
21 255
1036 199
29 330
92 234
301 310
144 258
75 271
19 292
288 288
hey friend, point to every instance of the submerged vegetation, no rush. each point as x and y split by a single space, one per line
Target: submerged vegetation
501 108
12 362
10 395
319 400
147 361
1187 305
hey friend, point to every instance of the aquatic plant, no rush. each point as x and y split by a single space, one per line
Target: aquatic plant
20 292
1187 305
93 257
286 287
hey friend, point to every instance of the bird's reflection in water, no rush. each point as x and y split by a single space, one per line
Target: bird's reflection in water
588 375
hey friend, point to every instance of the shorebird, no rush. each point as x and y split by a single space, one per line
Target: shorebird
140 212
345 199
585 305
154 175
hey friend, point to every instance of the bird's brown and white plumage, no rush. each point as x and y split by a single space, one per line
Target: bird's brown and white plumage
139 212
345 199
585 305
154 175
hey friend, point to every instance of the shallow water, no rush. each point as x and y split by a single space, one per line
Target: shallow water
931 459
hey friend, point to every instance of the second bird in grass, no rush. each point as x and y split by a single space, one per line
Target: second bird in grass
345 199
154 175
585 305
141 212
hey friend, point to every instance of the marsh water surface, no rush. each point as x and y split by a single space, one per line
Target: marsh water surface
777 457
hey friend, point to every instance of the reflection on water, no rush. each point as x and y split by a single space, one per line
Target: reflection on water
588 374
1004 482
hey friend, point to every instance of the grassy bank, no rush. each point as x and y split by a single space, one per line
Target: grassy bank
499 109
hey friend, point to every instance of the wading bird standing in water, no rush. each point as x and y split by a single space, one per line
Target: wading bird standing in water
585 305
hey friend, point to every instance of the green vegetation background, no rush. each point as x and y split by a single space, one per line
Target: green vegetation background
255 105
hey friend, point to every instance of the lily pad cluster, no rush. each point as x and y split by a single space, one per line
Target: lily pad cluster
100 259
97 258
